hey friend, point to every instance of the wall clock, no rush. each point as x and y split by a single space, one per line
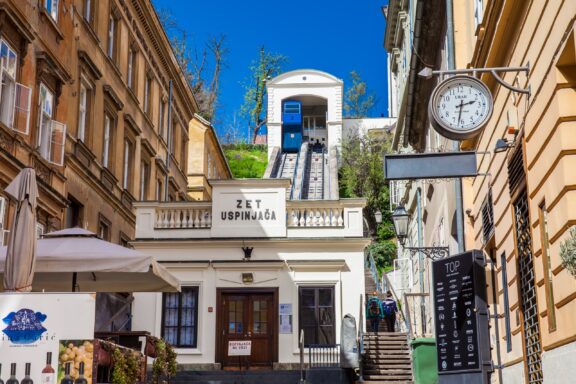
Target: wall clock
460 107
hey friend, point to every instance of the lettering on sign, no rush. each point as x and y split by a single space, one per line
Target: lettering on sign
456 314
248 209
239 348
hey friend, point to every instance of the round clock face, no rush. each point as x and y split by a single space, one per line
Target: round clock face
460 107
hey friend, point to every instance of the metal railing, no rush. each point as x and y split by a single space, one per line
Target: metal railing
301 346
323 356
360 341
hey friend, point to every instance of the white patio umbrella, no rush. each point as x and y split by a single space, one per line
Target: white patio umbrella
20 253
75 258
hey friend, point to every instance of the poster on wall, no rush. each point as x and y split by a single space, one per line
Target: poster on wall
46 336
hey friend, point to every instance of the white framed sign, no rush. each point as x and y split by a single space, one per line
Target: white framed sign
248 211
35 327
239 348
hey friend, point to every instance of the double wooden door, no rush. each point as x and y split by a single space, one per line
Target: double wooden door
247 315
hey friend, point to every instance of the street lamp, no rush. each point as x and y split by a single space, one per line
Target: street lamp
400 218
378 217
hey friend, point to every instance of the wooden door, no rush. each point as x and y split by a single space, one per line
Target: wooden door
247 316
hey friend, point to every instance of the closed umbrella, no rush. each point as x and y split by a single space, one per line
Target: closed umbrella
20 253
75 259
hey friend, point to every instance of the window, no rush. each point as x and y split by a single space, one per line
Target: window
74 213
547 265
161 107
2 219
124 240
131 68
506 303
40 229
159 190
144 177
180 318
111 36
107 143
316 315
127 172
51 133
478 12
52 8
87 10
83 114
147 90
14 97
103 228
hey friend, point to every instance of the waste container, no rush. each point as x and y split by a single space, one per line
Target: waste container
424 363
348 346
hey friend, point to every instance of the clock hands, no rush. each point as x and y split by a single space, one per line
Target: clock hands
460 111
463 104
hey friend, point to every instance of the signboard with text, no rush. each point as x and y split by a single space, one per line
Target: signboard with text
239 348
249 210
460 312
37 326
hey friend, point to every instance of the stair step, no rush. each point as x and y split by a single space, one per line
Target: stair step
388 382
389 377
387 371
387 365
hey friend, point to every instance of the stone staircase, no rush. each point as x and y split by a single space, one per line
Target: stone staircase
387 353
387 358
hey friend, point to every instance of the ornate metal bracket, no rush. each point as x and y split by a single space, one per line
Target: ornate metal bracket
494 71
430 252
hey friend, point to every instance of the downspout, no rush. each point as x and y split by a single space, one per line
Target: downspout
451 52
169 140
420 258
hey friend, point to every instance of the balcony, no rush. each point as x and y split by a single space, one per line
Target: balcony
303 218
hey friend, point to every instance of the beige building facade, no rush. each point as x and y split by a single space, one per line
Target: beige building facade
522 212
206 159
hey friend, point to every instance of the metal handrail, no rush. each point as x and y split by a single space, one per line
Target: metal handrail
360 341
301 345
401 308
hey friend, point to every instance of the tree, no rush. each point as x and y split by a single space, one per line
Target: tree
265 67
362 175
358 100
201 69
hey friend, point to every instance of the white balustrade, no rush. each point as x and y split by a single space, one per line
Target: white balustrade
186 216
316 216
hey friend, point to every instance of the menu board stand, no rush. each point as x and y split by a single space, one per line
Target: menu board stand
462 319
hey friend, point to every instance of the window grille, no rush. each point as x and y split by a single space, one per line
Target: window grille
532 341
516 173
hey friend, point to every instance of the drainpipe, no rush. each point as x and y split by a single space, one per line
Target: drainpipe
421 258
451 52
169 140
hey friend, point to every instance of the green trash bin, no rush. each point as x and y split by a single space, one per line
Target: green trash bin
424 360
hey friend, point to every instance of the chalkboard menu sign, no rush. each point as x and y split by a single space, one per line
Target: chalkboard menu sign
459 303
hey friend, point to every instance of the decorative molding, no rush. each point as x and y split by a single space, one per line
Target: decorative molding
89 64
136 131
109 91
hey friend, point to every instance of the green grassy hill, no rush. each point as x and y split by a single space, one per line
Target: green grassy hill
246 160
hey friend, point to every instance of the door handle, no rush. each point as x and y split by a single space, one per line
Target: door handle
249 334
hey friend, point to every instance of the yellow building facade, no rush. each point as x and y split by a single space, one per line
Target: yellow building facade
206 159
521 211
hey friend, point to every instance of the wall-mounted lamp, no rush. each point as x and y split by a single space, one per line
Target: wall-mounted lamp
426 73
502 145
400 219
247 252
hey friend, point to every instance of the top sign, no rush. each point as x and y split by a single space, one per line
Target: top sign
460 313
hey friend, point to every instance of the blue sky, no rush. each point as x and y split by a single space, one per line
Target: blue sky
336 36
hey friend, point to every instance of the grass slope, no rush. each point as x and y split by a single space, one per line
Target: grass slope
246 160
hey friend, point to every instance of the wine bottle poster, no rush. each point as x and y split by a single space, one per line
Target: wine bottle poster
32 325
75 352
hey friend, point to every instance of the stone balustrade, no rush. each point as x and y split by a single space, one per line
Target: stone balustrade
183 215
315 216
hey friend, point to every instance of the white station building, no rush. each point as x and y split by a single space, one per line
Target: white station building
265 258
